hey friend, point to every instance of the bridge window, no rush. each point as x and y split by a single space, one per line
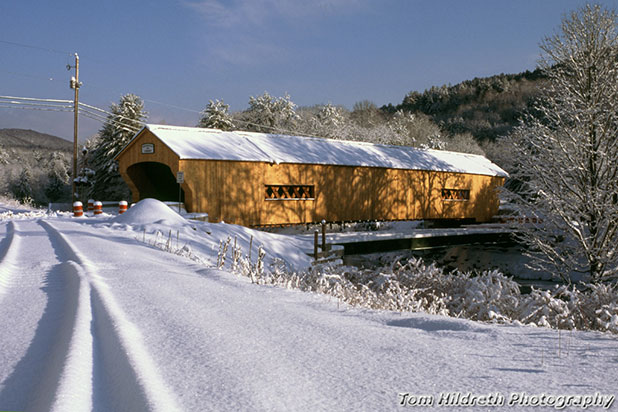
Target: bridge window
456 194
289 192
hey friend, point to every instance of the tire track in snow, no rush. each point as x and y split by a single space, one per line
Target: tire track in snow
32 383
123 374
8 251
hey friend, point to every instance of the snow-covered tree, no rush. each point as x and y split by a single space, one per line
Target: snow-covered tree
57 186
567 151
22 186
4 156
269 114
216 116
324 121
416 129
330 116
464 143
125 120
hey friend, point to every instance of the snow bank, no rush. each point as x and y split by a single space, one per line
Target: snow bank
11 209
156 224
150 211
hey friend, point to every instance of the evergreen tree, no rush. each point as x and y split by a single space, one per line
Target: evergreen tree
22 187
125 120
216 116
568 153
57 186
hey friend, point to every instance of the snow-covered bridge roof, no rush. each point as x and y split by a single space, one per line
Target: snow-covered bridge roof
200 143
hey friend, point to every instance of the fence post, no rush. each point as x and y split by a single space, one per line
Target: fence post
323 235
315 244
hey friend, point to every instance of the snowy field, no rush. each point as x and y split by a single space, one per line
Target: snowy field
130 313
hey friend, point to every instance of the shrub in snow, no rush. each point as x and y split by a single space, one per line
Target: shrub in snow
415 286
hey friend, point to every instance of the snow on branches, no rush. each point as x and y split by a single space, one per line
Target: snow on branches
567 152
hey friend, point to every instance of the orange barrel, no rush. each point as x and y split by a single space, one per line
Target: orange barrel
78 210
90 205
98 208
122 206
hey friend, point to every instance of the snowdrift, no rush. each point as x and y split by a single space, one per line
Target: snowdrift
161 226
150 211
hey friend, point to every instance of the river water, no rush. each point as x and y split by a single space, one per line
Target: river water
508 258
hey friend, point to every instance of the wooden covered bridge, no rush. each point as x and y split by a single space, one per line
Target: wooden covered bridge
257 179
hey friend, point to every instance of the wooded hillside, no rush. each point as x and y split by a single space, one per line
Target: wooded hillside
486 107
34 166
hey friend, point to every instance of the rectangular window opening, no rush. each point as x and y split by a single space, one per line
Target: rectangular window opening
289 192
456 194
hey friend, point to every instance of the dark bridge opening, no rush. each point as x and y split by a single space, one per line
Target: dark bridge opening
155 180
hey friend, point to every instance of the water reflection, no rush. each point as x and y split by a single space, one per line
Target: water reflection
508 258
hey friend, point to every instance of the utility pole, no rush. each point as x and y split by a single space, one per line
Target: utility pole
75 84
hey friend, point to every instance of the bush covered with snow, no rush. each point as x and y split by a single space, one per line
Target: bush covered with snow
414 286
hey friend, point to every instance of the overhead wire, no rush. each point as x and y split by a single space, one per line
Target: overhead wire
14 102
104 116
173 106
103 119
30 46
29 104
30 76
37 108
58 105
36 99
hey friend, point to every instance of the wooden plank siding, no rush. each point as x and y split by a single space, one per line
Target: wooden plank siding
234 191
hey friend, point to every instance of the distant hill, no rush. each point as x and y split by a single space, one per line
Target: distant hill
487 107
30 139
36 164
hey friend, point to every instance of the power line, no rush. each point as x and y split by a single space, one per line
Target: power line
173 106
30 46
59 109
103 119
29 76
29 104
57 105
120 125
36 99
106 116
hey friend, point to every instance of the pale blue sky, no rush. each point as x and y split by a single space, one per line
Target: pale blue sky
181 53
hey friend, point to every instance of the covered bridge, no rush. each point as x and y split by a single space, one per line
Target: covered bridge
256 179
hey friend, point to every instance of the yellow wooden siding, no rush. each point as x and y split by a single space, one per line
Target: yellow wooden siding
235 192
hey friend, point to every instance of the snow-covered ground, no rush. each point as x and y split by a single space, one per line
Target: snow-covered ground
95 316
